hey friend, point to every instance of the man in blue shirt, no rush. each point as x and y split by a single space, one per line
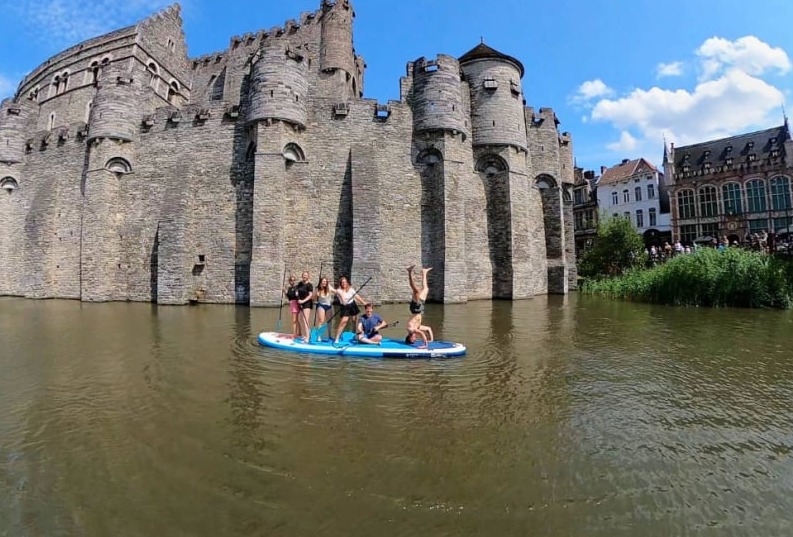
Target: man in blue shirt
369 326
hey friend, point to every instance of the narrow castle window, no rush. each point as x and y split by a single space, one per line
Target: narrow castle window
51 122
65 82
93 73
173 91
88 108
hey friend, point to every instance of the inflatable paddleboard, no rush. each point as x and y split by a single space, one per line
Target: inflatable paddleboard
389 348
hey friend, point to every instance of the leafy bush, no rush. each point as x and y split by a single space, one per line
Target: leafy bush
617 249
732 278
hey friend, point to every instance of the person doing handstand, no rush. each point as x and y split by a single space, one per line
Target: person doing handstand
414 327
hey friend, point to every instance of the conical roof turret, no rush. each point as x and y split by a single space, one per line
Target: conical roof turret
485 52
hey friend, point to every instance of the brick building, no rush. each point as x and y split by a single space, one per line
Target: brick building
133 172
585 209
731 187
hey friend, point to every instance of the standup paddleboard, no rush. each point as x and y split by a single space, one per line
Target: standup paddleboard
389 348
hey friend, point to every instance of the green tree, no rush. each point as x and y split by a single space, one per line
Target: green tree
617 248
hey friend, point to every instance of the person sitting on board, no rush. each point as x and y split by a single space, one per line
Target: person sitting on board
369 326
419 297
305 299
294 308
348 306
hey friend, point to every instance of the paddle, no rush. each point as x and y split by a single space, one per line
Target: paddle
354 341
315 332
319 280
281 300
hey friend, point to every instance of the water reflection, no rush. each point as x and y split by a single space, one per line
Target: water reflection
576 415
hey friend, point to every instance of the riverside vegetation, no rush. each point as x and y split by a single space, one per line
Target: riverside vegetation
616 267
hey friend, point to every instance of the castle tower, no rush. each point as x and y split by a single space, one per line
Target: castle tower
336 51
442 157
279 85
276 120
14 118
500 150
112 132
337 59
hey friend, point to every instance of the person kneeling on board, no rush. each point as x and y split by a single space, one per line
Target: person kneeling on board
369 326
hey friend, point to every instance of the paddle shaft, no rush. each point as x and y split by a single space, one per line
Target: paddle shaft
281 301
319 281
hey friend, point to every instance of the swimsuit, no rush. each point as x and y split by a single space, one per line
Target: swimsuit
416 307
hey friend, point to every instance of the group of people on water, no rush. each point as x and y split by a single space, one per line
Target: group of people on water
303 297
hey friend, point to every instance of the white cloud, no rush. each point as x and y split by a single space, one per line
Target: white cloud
589 90
67 22
732 99
669 69
626 143
6 87
747 54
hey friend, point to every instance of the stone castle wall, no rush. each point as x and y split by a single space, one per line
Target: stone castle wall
154 177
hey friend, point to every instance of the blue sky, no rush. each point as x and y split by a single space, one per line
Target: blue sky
620 74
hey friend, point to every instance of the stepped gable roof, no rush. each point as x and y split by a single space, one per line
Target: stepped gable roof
736 147
484 52
624 170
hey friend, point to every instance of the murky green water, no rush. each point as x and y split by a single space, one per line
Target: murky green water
569 417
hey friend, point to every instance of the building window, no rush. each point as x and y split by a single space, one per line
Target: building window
639 218
579 221
688 233
755 196
685 204
578 197
637 193
627 216
780 193
708 203
782 225
650 192
614 198
758 226
710 229
626 196
653 217
51 122
173 91
731 193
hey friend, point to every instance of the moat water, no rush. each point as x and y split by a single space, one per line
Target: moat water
570 416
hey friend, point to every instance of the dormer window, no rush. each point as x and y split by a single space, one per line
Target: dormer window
752 157
729 161
773 140
686 158
728 150
774 153
750 145
707 153
707 166
686 168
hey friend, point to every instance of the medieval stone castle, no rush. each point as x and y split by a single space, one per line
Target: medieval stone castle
130 171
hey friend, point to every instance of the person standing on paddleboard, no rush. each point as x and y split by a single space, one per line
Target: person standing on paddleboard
348 302
305 300
294 308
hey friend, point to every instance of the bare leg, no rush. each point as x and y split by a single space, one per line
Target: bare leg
413 285
340 329
425 289
295 327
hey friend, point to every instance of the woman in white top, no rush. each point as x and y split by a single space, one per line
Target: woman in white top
324 297
348 300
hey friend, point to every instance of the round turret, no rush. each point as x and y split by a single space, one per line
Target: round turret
437 96
115 112
496 97
336 50
279 85
13 123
